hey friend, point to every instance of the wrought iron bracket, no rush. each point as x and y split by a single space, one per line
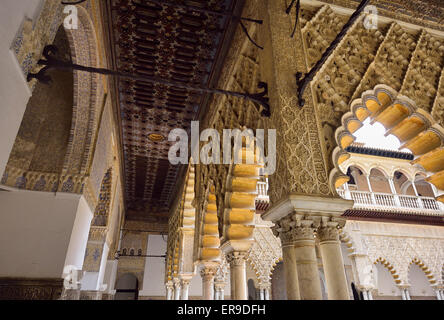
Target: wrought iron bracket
260 99
302 81
298 8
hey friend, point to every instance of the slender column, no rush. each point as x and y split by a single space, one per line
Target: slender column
169 290
185 284
438 294
267 293
347 191
407 294
261 294
367 176
416 194
176 289
220 288
290 267
333 262
207 274
403 296
393 189
238 274
364 294
307 264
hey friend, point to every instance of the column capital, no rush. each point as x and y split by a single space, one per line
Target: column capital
208 272
303 233
219 285
236 258
329 233
264 286
295 227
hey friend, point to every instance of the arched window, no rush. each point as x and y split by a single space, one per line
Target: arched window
379 182
420 288
386 286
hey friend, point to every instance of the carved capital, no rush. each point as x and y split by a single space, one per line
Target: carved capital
287 238
208 273
169 285
302 233
236 258
328 234
185 282
219 286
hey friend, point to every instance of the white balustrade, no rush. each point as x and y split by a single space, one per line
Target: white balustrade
393 202
262 190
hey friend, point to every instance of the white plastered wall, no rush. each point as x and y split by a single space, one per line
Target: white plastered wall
41 233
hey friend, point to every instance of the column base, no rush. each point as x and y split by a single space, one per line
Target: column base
30 289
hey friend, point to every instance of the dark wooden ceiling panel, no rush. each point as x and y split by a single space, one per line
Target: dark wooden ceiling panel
170 40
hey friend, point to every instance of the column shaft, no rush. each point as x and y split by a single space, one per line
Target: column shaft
185 289
291 273
330 246
267 294
307 264
177 292
207 274
238 275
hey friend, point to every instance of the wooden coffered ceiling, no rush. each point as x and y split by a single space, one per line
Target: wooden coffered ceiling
172 40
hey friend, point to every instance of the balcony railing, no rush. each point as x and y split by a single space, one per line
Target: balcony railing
393 202
262 190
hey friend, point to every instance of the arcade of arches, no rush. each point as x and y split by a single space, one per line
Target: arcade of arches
91 208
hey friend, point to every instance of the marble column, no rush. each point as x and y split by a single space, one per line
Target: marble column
185 284
290 268
219 288
267 293
207 274
177 289
169 290
238 275
441 293
367 294
333 262
306 262
407 294
261 294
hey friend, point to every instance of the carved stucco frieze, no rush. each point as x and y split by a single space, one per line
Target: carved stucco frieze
399 247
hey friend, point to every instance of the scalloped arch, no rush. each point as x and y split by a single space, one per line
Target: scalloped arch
429 274
414 127
390 268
